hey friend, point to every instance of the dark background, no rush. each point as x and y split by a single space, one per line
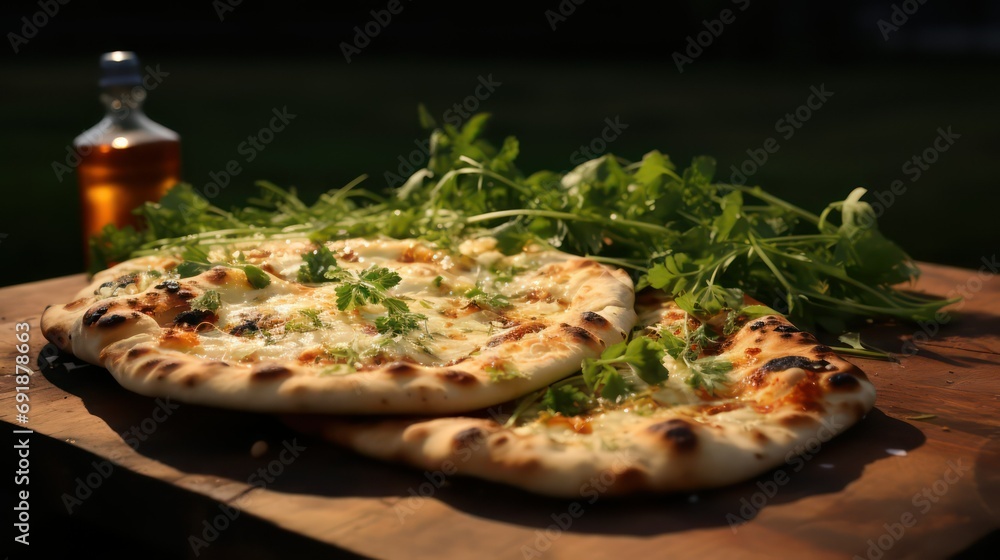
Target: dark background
941 68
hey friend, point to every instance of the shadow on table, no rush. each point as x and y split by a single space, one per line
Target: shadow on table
217 443
976 331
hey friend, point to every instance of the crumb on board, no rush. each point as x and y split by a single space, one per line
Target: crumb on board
258 449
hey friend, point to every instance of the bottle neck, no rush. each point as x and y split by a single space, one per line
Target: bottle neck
122 103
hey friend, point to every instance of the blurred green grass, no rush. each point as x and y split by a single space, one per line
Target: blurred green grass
359 118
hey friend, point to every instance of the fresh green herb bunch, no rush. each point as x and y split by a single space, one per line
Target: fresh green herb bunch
676 230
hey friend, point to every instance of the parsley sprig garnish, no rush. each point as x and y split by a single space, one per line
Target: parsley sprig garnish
370 287
367 287
675 229
196 261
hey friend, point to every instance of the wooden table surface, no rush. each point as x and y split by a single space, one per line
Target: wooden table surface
115 471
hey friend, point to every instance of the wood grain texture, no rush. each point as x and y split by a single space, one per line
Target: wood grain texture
177 468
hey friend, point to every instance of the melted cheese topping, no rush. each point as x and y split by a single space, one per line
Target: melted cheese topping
291 321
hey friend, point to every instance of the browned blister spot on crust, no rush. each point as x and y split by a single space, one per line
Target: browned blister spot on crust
109 321
195 318
138 351
676 432
578 334
76 304
629 479
843 381
248 325
192 380
270 372
516 333
94 314
56 334
168 367
822 351
169 286
401 369
218 275
797 420
469 438
458 377
594 319
759 436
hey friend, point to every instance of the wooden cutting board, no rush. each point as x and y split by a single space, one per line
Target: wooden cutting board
919 477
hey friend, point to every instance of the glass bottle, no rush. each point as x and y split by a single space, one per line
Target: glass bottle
126 158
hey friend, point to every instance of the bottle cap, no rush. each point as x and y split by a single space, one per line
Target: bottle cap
119 68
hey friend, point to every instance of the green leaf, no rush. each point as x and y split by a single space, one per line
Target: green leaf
709 372
380 276
350 296
751 312
503 372
613 386
852 339
731 205
645 355
399 323
188 269
208 301
318 264
487 301
566 400
427 122
673 345
256 277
